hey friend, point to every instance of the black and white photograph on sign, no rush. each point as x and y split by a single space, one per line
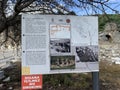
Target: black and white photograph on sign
62 62
86 53
59 31
60 46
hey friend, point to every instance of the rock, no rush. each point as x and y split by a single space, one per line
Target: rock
1 75
1 85
6 79
116 60
10 88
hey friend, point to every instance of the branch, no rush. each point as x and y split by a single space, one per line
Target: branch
23 5
6 37
18 7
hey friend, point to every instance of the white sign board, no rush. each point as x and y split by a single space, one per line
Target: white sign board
59 44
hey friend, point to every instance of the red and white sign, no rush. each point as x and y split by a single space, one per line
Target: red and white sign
30 82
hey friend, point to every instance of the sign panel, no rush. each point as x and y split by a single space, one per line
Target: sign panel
31 82
59 44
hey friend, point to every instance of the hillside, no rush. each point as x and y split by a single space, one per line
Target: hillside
103 19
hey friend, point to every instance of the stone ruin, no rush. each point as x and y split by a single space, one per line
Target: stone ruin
109 41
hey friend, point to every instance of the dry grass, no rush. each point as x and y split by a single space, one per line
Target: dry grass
109 76
109 79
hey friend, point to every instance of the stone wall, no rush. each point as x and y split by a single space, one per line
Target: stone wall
109 48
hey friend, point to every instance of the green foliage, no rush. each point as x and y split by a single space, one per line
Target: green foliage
67 82
103 19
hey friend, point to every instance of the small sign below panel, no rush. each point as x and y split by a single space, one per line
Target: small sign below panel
30 82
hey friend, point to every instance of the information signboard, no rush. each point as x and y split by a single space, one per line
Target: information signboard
59 44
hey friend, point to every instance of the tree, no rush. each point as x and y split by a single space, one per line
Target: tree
10 11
